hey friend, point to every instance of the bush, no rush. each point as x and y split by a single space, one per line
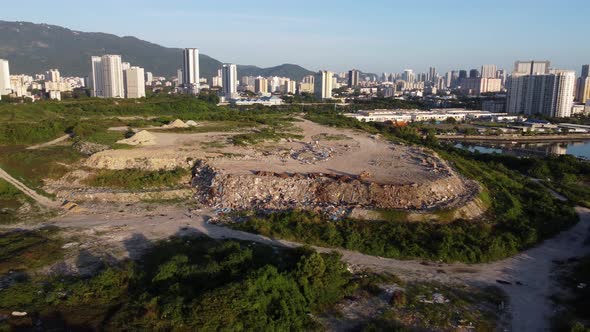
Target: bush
196 284
135 179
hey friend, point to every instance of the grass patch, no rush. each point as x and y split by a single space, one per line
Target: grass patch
134 179
393 215
10 197
32 166
213 145
27 250
265 134
329 137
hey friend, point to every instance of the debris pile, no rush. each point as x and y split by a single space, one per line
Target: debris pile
332 194
89 148
437 298
141 138
312 153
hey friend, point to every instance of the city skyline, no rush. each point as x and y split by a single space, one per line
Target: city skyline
350 35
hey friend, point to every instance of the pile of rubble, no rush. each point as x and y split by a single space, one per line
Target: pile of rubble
312 153
89 148
332 194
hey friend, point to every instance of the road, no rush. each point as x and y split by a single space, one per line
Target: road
42 200
55 141
529 304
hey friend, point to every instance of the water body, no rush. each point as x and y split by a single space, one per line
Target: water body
579 149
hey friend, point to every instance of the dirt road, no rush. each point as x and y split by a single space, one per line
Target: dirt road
44 201
528 273
55 141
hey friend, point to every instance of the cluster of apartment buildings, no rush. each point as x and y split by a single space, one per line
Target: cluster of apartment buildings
112 78
51 83
535 88
475 82
532 88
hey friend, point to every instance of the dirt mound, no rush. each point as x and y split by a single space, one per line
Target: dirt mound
176 124
278 191
141 138
191 123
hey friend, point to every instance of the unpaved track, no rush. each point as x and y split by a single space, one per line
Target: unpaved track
529 304
28 191
55 141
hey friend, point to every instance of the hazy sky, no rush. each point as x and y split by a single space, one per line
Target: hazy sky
371 35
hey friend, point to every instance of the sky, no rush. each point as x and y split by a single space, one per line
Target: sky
370 35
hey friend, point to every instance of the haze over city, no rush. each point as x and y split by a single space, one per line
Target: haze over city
373 36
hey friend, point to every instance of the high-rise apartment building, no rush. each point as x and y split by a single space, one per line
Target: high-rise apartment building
53 85
134 82
489 71
309 79
107 76
52 75
408 76
479 85
323 85
353 78
149 77
448 79
583 86
532 67
229 78
501 74
290 87
431 74
179 77
549 94
261 85
112 75
474 73
96 80
462 74
190 69
274 84
4 78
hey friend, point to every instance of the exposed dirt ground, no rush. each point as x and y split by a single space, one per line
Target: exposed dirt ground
335 150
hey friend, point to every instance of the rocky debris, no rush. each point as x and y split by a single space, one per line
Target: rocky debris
19 313
143 137
437 298
333 194
312 153
89 148
176 124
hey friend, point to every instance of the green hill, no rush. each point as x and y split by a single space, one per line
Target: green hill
33 48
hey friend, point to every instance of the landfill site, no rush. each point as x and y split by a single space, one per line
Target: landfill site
321 168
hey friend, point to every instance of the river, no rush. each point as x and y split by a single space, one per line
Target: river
579 149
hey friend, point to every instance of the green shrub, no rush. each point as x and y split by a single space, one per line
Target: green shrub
135 179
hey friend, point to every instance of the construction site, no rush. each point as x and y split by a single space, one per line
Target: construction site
315 167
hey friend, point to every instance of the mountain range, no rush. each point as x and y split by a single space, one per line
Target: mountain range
34 48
